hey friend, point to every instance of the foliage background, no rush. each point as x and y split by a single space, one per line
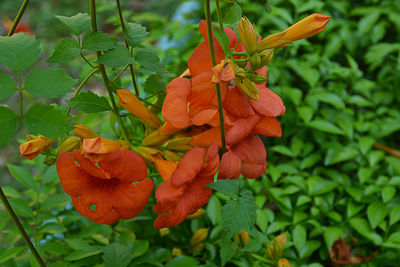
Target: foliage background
325 179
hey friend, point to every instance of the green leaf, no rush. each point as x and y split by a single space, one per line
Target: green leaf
388 192
394 215
340 154
329 98
306 113
10 253
154 83
67 50
135 34
48 83
365 143
233 14
182 261
117 57
22 175
319 186
214 210
331 234
46 120
325 126
363 228
55 200
89 102
7 86
21 207
83 253
299 237
229 188
228 250
222 39
150 61
8 124
116 255
55 247
376 213
239 214
76 24
99 41
139 248
19 52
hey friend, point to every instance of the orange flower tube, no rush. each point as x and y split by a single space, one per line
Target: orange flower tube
34 147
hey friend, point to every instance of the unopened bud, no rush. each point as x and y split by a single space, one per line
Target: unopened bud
176 252
172 156
49 160
70 144
245 237
255 61
179 144
258 79
196 248
248 88
84 132
248 34
150 154
269 253
240 73
164 231
199 236
281 239
196 215
35 146
266 56
154 139
284 263
30 137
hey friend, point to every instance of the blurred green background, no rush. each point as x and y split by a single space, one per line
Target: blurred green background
326 177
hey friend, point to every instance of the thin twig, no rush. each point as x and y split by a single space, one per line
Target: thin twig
391 151
18 17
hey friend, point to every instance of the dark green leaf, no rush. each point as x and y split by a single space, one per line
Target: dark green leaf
22 175
233 14
154 83
331 234
182 261
21 207
116 255
48 83
8 124
229 188
19 52
139 248
83 253
7 86
89 102
227 251
46 120
325 126
9 253
135 34
76 24
363 228
222 39
67 50
99 41
150 61
117 57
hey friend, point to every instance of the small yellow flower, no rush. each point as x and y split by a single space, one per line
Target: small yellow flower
284 263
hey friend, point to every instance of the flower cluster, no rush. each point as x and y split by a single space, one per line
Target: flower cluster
107 180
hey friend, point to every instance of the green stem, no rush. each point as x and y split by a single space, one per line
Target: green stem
221 24
87 61
81 86
21 114
213 63
240 53
120 73
20 228
18 17
261 258
121 18
104 74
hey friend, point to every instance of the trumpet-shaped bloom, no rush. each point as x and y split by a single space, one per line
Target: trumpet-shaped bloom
106 192
184 192
34 147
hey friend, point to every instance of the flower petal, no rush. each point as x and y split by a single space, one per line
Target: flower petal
252 153
100 145
230 167
269 104
175 109
88 166
206 138
165 168
237 103
189 166
268 126
167 196
241 129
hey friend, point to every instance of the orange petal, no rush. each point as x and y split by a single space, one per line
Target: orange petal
167 129
203 92
83 131
237 103
165 168
189 166
231 166
124 165
175 108
204 116
269 104
251 152
268 126
88 166
241 129
207 138
224 71
167 196
100 145
104 216
212 161
34 147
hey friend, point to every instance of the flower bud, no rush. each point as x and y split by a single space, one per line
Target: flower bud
248 88
172 156
199 236
281 239
84 132
240 73
248 34
266 56
269 253
35 146
284 263
179 144
154 139
196 215
30 137
49 160
255 61
245 237
258 79
196 248
165 168
223 72
176 252
150 154
164 231
70 144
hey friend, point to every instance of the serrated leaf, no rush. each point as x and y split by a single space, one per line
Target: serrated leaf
8 124
117 57
48 83
76 24
7 86
222 39
22 175
154 83
135 34
67 50
47 121
376 213
325 126
99 41
89 102
150 61
229 188
233 14
19 52
116 255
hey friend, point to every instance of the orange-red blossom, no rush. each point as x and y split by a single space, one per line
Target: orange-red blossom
35 146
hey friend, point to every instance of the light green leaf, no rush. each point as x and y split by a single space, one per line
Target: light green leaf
48 83
99 41
8 124
117 57
135 34
76 24
394 215
232 15
139 248
22 175
7 86
340 154
325 126
222 39
363 228
19 52
214 210
67 50
10 253
299 237
182 261
21 207
388 192
46 120
331 234
376 213
89 102
83 253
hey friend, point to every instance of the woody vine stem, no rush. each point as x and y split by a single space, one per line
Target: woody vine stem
213 63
